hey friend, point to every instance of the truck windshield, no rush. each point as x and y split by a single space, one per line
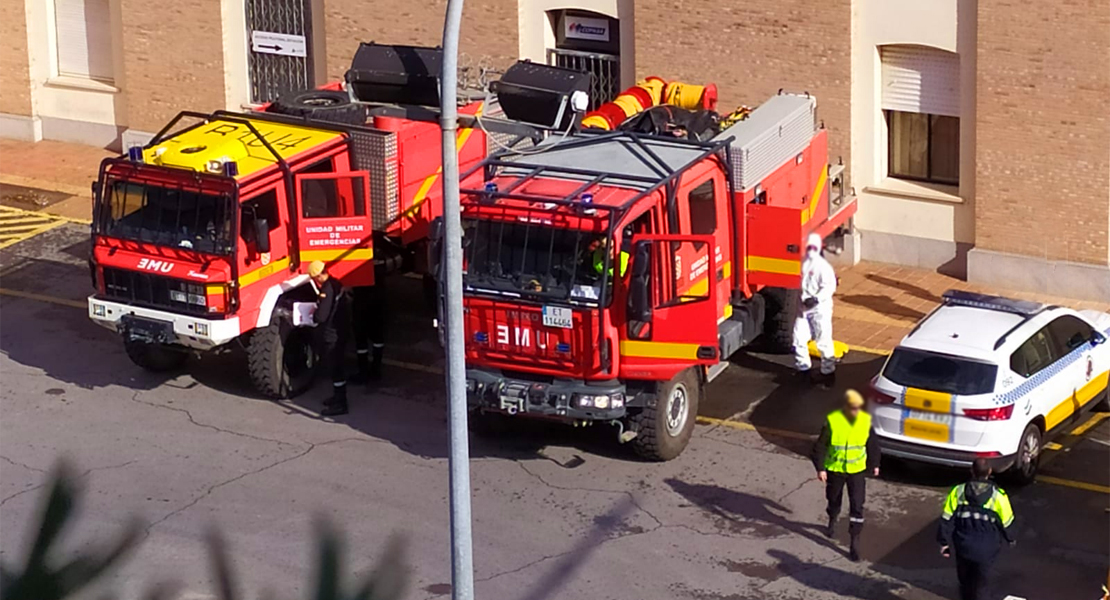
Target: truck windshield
166 216
940 372
511 258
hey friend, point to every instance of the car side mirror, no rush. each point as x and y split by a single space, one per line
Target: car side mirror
1098 339
639 284
261 235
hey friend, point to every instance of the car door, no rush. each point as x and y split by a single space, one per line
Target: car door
1080 382
1037 391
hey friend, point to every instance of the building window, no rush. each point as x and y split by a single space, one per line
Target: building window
923 147
83 30
921 105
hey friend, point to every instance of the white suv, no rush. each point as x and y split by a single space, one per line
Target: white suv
984 376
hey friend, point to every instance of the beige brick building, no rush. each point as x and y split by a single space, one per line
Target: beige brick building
976 133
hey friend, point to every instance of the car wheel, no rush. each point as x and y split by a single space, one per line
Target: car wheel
1028 456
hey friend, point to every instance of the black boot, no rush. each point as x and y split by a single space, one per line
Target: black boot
337 404
828 381
363 374
854 529
830 530
376 362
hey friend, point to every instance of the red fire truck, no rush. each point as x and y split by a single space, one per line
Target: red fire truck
609 276
203 236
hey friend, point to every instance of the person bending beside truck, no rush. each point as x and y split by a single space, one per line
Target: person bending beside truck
814 320
975 522
333 324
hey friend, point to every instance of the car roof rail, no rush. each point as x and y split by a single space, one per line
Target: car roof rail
1023 308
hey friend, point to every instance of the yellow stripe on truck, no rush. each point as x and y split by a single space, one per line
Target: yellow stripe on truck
263 272
928 400
780 266
808 212
430 180
340 254
668 350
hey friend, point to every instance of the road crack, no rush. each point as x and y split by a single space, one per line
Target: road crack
189 415
79 477
19 464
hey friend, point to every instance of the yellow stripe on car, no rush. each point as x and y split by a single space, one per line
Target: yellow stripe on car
1074 402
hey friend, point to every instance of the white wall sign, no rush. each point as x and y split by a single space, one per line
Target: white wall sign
586 28
268 42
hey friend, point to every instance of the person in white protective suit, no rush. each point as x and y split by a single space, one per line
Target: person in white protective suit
814 320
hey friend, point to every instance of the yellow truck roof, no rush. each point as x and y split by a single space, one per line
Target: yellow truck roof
218 141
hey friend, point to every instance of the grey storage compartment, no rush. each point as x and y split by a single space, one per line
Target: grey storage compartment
775 132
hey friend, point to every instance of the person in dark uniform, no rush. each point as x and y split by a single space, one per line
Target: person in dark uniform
333 324
975 522
843 454
370 325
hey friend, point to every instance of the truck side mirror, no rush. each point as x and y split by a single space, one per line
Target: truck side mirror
261 235
435 229
639 284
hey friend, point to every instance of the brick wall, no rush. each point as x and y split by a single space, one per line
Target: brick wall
751 49
15 79
489 28
173 60
1043 129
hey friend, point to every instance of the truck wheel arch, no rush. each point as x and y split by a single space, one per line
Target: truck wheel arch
274 294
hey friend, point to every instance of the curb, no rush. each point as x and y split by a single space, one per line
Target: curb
41 184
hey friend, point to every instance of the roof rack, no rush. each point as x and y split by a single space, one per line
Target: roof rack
664 174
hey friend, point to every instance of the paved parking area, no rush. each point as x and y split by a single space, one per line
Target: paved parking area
558 512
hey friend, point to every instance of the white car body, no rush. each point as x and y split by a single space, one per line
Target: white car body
977 371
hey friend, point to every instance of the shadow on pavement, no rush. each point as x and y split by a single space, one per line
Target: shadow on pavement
883 305
744 512
909 288
817 576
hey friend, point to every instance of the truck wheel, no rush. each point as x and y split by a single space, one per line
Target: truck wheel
1028 458
664 430
778 324
156 358
281 359
321 105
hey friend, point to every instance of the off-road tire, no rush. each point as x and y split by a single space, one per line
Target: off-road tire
781 312
331 106
156 358
654 441
267 361
1024 471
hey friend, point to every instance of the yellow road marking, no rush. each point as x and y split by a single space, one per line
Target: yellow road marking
745 426
1094 420
42 298
1079 485
854 348
17 225
1052 446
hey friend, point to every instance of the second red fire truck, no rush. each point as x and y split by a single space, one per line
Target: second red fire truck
610 275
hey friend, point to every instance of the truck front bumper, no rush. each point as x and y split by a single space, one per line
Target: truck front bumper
572 400
163 326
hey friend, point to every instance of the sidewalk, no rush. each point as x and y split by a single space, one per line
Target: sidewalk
875 306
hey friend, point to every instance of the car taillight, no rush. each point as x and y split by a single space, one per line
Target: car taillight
874 395
999 413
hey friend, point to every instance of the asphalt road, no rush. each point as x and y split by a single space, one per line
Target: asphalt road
558 512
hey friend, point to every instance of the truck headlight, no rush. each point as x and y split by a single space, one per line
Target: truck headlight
99 310
601 401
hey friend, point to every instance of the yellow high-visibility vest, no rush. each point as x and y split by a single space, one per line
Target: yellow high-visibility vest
848 444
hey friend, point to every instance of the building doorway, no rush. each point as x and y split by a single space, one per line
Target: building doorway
590 42
279 52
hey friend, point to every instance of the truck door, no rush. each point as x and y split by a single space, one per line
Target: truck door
671 319
703 210
335 225
774 252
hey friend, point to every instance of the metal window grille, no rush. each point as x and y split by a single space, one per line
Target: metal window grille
272 75
605 68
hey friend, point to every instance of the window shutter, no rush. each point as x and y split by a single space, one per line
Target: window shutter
921 80
84 32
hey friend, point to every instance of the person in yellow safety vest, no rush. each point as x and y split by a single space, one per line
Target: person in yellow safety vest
598 258
843 454
975 521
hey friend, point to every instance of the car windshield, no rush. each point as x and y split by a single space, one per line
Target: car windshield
166 216
940 372
513 258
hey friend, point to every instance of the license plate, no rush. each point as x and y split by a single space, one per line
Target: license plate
148 330
934 427
555 316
